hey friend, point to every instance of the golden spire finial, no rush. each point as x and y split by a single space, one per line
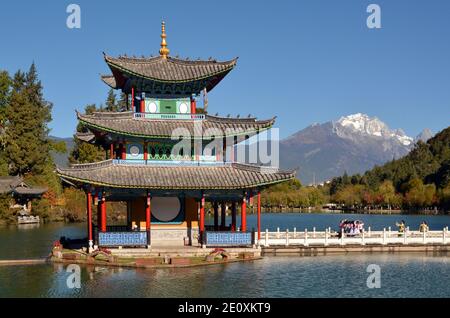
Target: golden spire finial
164 51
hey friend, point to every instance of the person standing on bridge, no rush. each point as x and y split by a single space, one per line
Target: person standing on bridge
423 227
401 227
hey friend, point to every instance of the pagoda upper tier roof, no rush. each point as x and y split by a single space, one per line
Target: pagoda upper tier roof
125 123
154 74
230 176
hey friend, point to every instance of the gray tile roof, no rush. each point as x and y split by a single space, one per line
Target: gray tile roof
85 136
8 183
157 75
170 69
109 80
124 123
227 176
16 184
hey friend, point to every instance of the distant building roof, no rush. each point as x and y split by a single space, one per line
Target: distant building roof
16 185
228 176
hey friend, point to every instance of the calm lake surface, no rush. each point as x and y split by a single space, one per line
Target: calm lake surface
402 275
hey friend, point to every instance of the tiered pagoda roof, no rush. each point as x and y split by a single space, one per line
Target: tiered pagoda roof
224 177
166 74
125 123
163 74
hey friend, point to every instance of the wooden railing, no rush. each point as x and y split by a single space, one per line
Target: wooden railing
368 237
169 116
202 161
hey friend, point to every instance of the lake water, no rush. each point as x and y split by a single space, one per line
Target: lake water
402 275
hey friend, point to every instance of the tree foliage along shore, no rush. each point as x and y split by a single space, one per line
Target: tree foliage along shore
24 143
420 180
25 146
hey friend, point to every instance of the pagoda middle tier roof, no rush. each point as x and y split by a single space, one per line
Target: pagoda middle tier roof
125 123
230 176
167 70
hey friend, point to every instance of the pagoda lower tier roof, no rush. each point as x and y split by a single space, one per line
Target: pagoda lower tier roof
229 176
125 123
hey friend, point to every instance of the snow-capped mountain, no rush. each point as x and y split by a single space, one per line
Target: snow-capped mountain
370 126
351 144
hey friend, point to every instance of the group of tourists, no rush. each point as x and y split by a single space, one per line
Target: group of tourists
350 227
354 228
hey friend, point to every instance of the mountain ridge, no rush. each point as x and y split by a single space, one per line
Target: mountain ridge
351 144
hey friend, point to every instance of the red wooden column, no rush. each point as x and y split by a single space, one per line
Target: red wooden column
99 211
223 209
89 215
123 155
132 99
111 151
103 214
216 216
142 106
233 216
202 218
259 214
148 212
193 106
145 151
148 216
244 213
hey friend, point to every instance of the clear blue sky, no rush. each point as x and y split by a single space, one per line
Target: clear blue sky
304 61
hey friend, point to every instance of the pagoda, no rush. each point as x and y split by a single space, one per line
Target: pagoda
166 157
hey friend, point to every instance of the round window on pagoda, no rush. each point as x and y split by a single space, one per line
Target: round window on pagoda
165 209
134 151
152 107
183 108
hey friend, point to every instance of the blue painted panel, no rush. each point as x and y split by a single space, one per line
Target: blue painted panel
135 151
122 238
228 238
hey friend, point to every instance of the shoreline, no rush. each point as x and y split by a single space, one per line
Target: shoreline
251 211
434 249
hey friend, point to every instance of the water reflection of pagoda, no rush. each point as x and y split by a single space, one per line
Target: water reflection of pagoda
166 179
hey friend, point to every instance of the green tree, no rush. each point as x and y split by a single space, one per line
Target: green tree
350 195
444 197
415 194
84 152
26 132
111 103
122 103
5 89
387 193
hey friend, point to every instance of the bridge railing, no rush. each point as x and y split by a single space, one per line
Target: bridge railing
367 237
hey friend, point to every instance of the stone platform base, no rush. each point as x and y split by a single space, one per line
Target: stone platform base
176 251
